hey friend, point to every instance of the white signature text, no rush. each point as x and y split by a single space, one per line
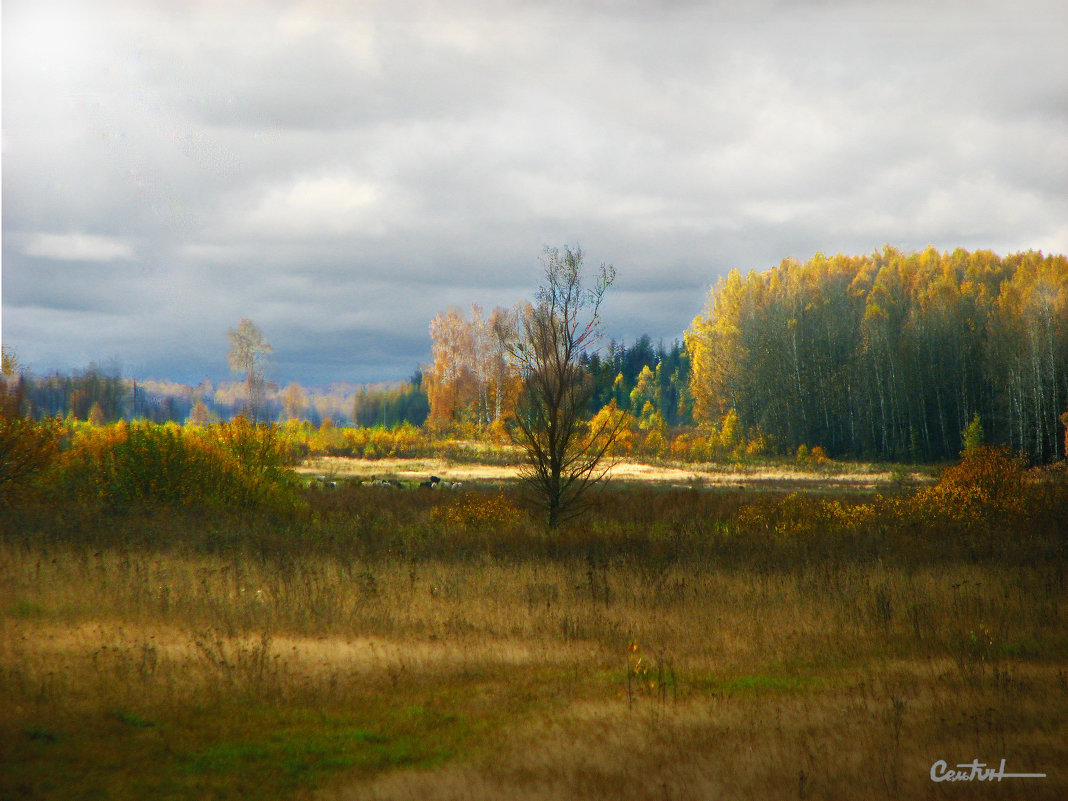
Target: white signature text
975 771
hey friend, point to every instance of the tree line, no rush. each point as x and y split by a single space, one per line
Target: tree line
890 355
100 394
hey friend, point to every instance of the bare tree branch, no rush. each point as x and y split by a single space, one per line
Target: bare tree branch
564 456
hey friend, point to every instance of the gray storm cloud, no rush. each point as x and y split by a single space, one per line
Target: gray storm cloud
340 174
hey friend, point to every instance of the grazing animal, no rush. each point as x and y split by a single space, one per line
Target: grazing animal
441 484
382 482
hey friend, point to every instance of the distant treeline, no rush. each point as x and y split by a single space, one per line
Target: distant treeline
660 374
99 395
890 355
103 396
633 376
392 406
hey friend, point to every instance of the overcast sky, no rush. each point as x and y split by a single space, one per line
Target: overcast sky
341 171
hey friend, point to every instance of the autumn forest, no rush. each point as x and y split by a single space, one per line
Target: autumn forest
888 356
891 354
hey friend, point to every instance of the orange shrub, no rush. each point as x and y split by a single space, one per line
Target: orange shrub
330 439
681 447
702 449
497 431
986 487
477 510
613 419
354 440
801 513
992 470
380 443
654 444
757 445
408 440
818 455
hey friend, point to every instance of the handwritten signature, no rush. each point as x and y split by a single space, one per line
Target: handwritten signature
975 771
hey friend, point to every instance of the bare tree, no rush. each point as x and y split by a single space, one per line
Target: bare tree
564 455
249 351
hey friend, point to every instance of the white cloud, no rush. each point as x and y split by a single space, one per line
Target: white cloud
322 205
77 247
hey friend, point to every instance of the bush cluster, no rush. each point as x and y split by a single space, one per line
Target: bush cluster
802 513
378 442
477 510
27 448
139 465
980 499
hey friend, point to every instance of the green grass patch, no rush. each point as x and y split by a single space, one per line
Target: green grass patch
301 756
131 719
284 750
757 684
250 751
254 750
26 610
1035 648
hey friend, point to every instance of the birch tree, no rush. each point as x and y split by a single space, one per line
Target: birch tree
249 352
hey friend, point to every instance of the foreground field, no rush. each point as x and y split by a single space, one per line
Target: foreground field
180 677
396 645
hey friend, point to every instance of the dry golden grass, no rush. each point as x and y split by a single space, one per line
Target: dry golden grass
871 737
844 476
213 676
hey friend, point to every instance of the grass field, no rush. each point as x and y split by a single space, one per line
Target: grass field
404 644
857 476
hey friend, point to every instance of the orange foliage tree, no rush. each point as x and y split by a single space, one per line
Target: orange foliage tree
472 376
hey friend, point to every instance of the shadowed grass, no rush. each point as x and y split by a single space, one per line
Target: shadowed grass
255 748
